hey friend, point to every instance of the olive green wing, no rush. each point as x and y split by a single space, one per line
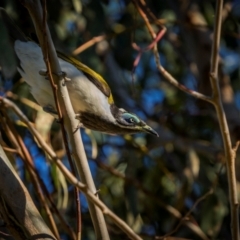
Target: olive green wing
95 78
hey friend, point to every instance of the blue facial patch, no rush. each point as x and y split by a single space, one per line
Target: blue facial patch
130 118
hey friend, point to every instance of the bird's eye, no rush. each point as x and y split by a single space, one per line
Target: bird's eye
130 120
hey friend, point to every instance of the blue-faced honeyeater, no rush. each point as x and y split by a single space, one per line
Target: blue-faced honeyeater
89 93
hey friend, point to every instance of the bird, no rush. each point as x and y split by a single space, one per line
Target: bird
90 95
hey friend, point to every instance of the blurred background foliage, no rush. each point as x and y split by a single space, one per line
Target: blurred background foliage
149 182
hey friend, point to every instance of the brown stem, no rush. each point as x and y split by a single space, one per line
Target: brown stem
70 123
217 102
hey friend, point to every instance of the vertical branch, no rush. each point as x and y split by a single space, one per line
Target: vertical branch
217 102
64 134
35 10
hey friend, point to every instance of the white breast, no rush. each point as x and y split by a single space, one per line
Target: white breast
84 95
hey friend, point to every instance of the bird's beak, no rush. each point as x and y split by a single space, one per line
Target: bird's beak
148 129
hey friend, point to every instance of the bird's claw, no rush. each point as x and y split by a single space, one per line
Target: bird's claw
64 75
77 127
44 73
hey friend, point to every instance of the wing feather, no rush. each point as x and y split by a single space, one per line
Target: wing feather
95 78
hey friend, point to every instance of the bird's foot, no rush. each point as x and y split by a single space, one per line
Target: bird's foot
64 75
44 73
77 127
77 116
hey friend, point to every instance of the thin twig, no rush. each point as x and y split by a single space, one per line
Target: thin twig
174 81
160 68
23 100
186 216
88 44
10 150
217 102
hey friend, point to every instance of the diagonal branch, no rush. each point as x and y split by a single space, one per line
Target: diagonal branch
72 179
160 68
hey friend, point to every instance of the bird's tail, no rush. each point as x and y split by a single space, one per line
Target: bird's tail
14 31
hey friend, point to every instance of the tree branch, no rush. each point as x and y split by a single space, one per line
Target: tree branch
217 102
72 179
70 123
160 68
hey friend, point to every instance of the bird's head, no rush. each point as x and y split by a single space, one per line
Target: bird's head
131 123
123 122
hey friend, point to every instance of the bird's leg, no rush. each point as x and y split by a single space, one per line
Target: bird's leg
44 73
64 75
77 116
78 127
